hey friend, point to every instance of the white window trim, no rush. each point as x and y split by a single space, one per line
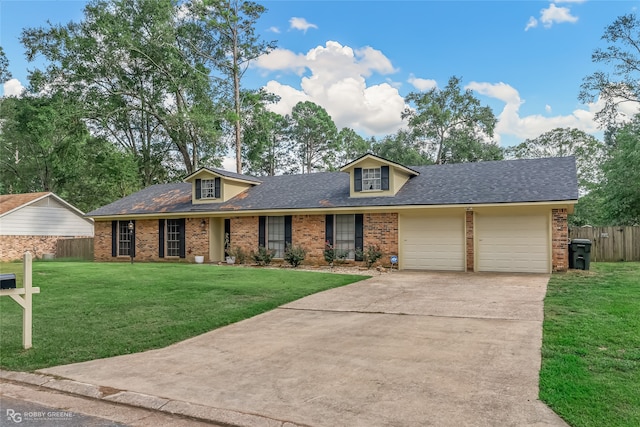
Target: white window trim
208 189
269 241
352 237
129 235
166 239
376 180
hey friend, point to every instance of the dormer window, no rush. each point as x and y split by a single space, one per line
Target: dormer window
208 188
371 179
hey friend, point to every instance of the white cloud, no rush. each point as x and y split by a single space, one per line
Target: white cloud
547 108
556 15
274 30
229 164
422 84
533 22
336 79
553 15
511 123
281 60
13 87
301 24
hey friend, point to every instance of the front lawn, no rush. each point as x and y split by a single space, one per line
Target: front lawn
590 372
93 310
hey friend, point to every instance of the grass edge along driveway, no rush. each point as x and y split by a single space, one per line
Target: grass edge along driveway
88 311
590 372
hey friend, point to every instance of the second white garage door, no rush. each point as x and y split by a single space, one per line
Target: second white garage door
433 242
512 243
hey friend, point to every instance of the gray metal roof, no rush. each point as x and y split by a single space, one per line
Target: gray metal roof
509 181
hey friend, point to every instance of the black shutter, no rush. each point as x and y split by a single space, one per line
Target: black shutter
359 234
287 231
384 174
132 251
328 230
357 179
217 188
114 238
198 188
161 238
262 226
183 251
227 234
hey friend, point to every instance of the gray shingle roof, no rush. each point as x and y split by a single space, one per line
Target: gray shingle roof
228 174
511 181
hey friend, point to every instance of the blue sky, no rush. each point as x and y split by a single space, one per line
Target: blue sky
358 59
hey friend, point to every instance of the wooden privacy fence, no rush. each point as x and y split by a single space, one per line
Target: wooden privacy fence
75 248
610 243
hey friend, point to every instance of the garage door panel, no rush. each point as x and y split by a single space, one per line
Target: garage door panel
433 243
513 243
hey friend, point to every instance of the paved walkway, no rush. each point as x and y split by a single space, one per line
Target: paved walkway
400 349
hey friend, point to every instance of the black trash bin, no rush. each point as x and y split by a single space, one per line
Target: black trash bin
580 254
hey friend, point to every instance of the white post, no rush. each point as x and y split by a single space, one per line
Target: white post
27 313
23 296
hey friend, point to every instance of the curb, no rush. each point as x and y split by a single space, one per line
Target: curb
224 417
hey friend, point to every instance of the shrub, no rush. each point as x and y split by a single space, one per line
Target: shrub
370 255
239 254
341 255
294 255
263 256
332 254
329 253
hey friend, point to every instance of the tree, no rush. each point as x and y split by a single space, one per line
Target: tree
5 74
401 148
314 136
233 46
622 85
588 151
350 146
44 146
450 122
621 184
142 86
265 148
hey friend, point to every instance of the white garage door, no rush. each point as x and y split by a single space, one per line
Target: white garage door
512 243
433 242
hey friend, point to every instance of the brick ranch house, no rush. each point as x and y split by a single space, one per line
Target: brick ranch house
35 222
489 216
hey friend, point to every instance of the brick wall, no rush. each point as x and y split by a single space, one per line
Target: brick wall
382 229
469 240
12 248
244 233
559 240
308 231
147 241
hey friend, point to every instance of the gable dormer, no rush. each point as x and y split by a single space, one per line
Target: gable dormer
373 176
217 186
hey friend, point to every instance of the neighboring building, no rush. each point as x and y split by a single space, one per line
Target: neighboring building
35 221
486 216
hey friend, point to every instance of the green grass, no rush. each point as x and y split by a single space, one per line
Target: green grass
90 310
590 372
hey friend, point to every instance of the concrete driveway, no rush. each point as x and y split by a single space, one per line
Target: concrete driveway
400 349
